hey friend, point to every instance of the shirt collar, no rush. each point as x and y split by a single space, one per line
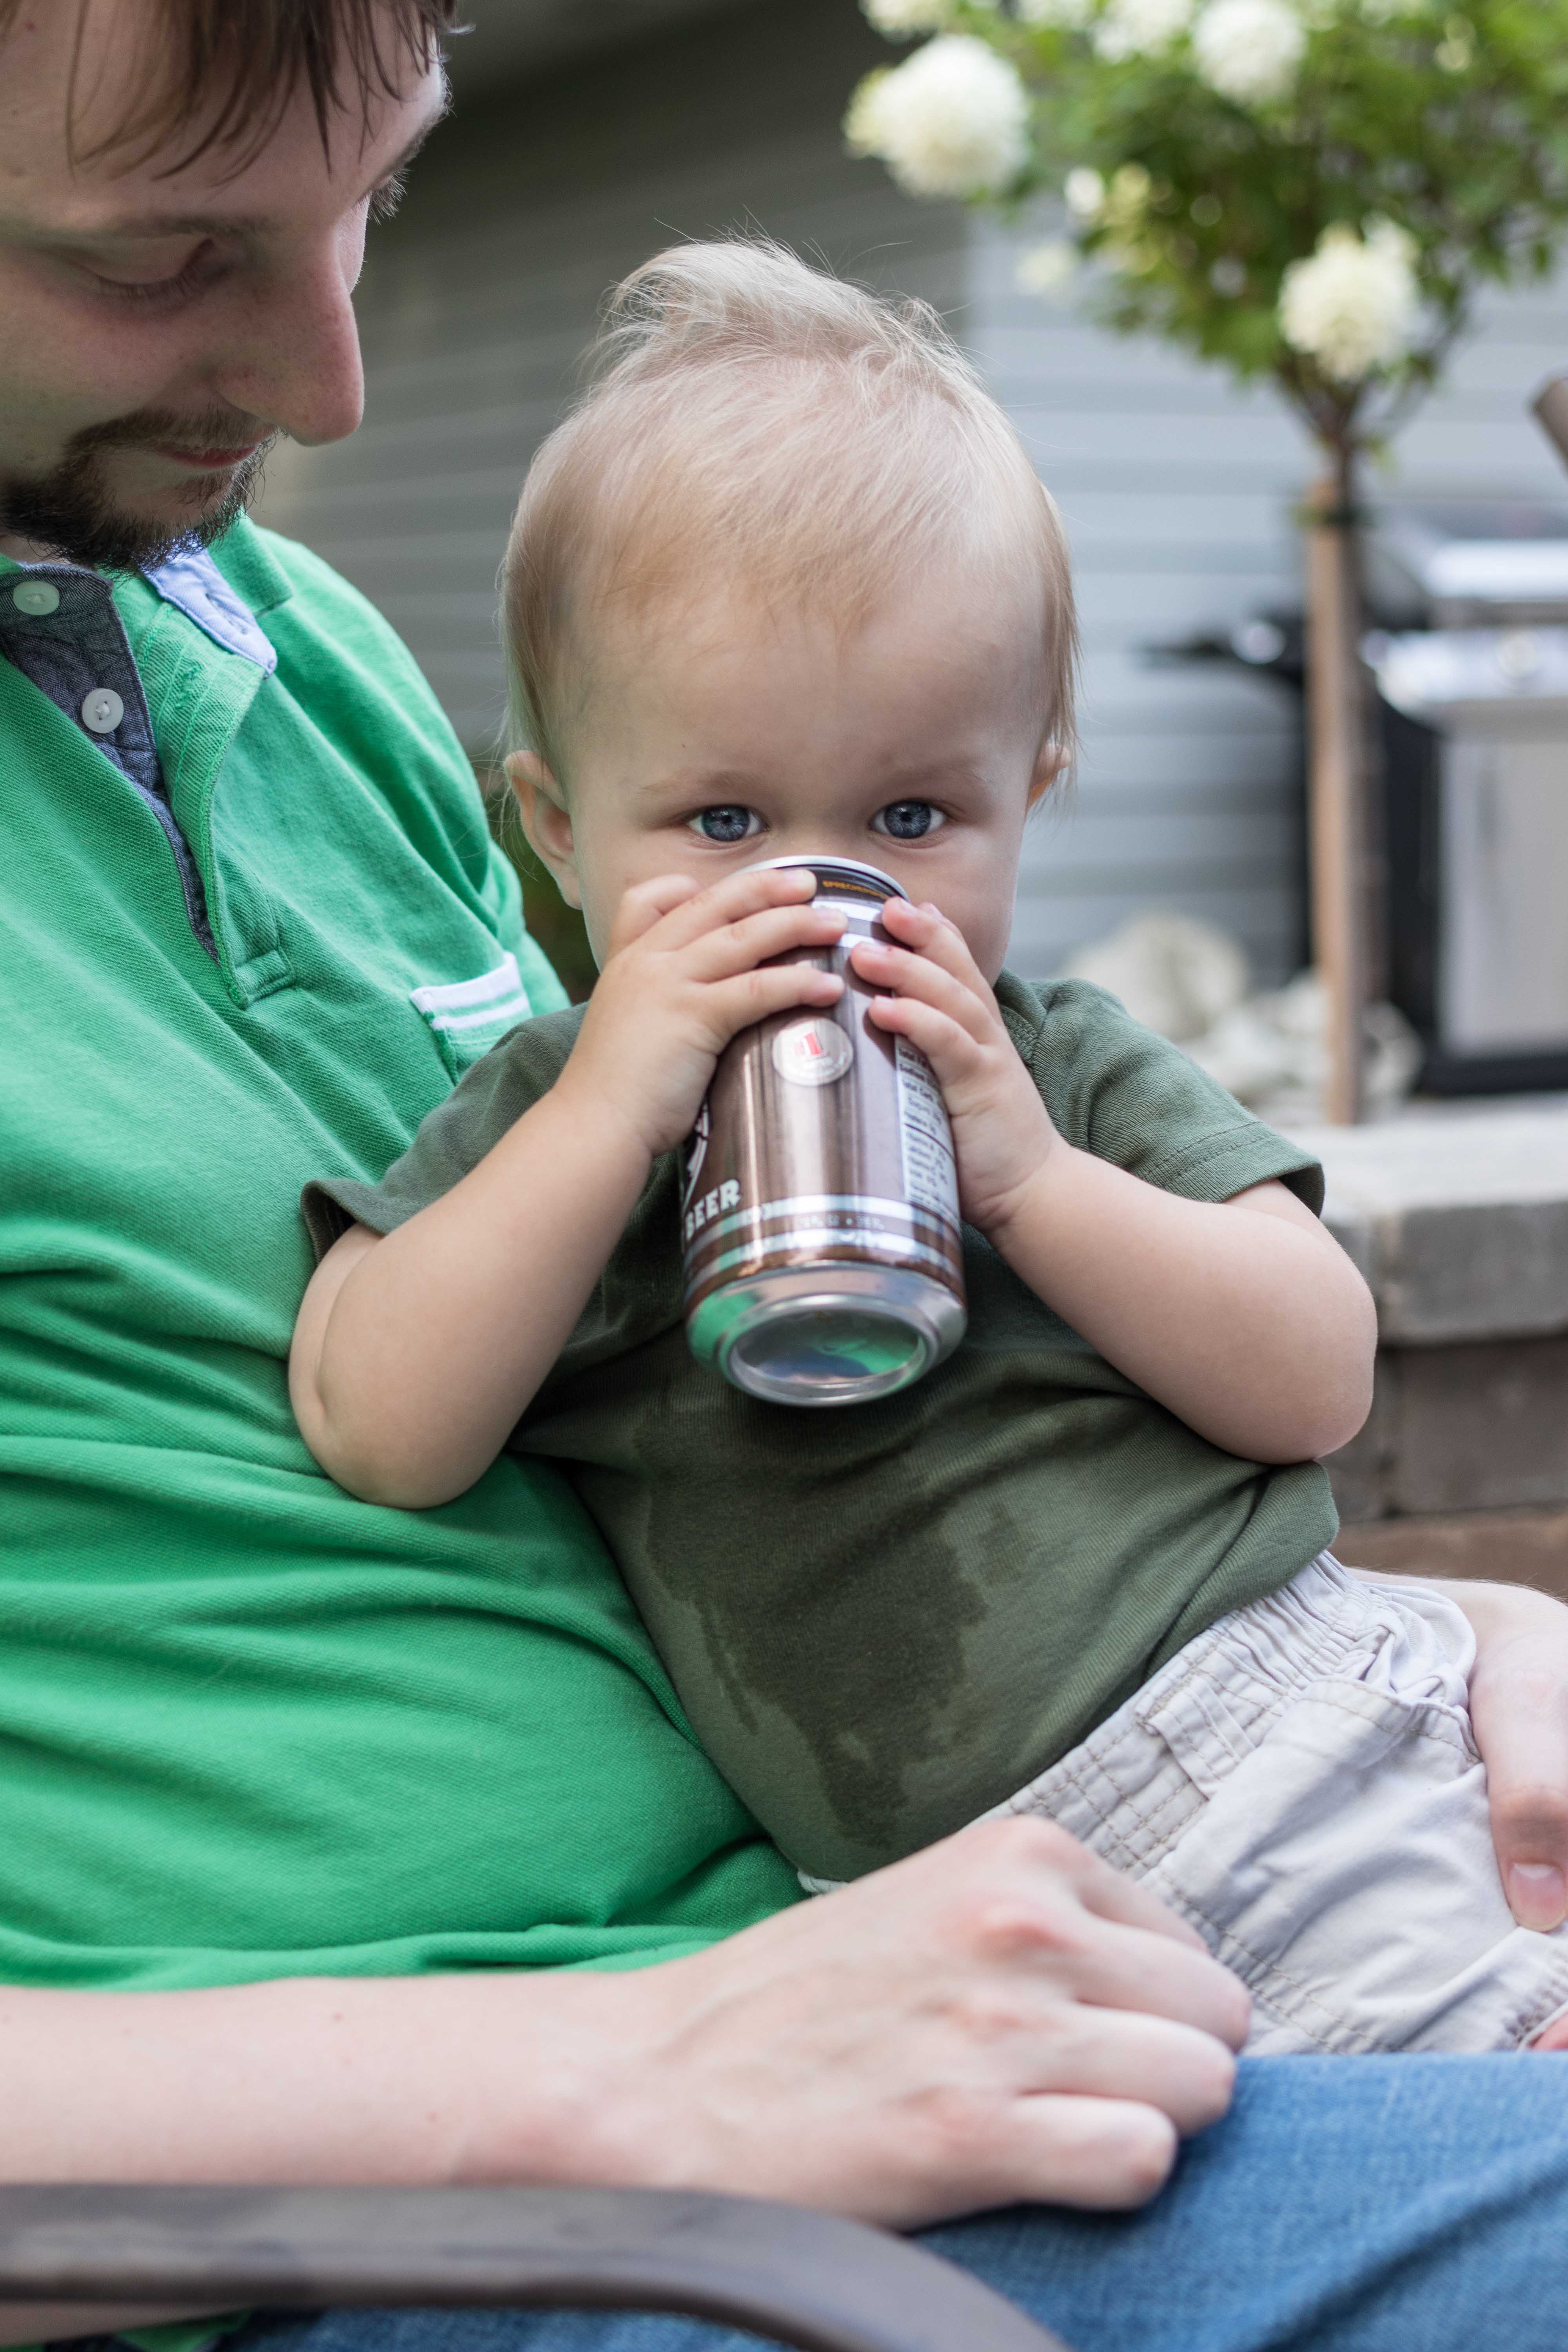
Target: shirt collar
191 581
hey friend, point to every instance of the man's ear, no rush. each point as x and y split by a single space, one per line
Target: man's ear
541 806
1049 765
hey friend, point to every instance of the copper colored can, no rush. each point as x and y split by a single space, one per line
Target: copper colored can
823 1247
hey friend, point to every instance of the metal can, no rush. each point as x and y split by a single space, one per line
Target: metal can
823 1246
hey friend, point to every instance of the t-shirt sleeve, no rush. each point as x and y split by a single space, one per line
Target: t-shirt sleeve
1117 1089
453 1138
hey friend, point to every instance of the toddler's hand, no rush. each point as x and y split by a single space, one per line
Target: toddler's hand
685 973
940 1002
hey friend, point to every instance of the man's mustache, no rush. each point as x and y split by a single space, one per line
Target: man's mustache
153 428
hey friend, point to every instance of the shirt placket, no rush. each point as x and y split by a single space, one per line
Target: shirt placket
59 627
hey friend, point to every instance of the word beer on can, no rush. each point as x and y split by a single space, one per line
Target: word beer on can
823 1246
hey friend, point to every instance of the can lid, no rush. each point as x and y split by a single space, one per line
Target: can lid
828 870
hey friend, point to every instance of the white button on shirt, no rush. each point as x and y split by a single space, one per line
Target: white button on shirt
102 710
37 597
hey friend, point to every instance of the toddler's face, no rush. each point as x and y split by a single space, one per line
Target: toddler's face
724 733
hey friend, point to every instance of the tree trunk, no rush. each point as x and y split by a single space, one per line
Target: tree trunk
1336 734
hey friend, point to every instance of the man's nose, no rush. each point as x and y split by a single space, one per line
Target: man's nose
301 367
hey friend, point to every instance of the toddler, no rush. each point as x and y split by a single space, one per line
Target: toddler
787 583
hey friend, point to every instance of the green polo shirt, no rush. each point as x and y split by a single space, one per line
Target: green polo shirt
250 1728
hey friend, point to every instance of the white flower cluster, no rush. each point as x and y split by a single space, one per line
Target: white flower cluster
900 19
1249 51
1135 28
1048 270
1085 193
951 120
1354 305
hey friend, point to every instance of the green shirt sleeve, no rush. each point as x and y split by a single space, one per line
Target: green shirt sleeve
454 1138
1117 1089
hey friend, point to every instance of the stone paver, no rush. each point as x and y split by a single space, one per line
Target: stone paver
1457 1216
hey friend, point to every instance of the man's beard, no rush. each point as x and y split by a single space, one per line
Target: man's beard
72 509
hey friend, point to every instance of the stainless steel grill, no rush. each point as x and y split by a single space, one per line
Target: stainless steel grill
1475 734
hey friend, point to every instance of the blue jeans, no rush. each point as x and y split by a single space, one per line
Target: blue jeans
1398 2204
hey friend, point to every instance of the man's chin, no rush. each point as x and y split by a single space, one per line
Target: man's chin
75 516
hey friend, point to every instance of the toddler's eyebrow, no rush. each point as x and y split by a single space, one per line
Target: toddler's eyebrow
696 783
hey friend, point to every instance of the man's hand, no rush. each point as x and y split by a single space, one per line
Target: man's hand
1519 1704
687 969
1001 2018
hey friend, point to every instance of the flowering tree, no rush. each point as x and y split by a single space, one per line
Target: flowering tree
1312 191
1309 189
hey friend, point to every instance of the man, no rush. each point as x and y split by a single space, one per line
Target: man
339 1844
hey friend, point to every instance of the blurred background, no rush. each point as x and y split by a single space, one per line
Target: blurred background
588 133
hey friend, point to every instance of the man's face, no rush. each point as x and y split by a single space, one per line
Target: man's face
159 329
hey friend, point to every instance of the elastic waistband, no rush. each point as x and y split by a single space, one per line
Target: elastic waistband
1143 1771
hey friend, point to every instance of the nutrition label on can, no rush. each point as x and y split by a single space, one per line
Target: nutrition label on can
930 1180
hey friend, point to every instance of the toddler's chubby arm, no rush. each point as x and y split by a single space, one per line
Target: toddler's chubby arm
1245 1317
415 1353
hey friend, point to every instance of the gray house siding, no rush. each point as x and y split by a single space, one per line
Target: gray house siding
476 304
1177 490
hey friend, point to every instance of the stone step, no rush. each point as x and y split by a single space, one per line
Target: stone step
1457 1216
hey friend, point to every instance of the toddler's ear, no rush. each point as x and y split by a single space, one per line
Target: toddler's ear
541 806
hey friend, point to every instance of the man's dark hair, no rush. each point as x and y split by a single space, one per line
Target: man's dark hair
230 68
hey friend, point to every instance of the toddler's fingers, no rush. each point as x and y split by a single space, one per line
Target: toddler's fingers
646 904
953 1050
750 939
737 896
736 1003
916 978
927 931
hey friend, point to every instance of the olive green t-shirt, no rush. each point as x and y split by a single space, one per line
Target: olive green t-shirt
885 1619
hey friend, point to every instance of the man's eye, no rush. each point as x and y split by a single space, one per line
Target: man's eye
908 820
729 822
198 270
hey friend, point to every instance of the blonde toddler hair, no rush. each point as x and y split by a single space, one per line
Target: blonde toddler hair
754 420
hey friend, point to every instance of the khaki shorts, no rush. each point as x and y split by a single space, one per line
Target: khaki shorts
1301 1783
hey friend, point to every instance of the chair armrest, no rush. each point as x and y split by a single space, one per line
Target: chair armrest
804 2278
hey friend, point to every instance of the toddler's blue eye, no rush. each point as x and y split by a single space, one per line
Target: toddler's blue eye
907 820
726 823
